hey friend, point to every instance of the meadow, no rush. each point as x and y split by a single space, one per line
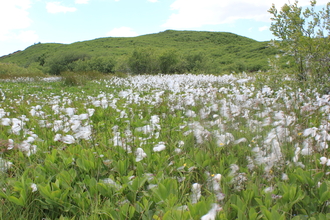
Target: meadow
178 51
245 146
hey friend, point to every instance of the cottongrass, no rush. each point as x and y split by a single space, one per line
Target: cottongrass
198 124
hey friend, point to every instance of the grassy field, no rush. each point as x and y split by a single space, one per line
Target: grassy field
220 51
248 146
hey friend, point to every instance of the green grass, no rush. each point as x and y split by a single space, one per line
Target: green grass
223 51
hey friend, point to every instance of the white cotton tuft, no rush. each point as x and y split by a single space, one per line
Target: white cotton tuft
4 165
34 187
212 213
159 147
10 144
68 139
323 160
195 192
140 154
70 111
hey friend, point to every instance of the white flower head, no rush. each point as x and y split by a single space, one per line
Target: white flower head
140 154
34 187
212 213
159 147
323 160
195 192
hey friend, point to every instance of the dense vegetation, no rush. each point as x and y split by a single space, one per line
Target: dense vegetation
165 52
228 146
178 146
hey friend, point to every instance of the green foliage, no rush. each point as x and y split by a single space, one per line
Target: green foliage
194 52
168 61
79 78
304 35
62 62
98 64
13 70
99 178
143 61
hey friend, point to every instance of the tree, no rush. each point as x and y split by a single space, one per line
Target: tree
62 62
168 61
304 35
143 61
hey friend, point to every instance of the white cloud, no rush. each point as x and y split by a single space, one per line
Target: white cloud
264 28
28 36
196 13
56 7
122 32
14 16
81 1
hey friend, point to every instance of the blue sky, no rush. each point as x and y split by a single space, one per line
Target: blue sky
25 22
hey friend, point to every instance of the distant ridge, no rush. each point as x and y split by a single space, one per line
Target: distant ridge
221 48
10 54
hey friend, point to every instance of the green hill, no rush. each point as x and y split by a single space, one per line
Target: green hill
217 51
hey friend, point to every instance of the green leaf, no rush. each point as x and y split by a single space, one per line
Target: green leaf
266 212
17 201
325 196
252 213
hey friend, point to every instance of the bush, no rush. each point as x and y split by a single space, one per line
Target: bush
8 70
238 66
196 62
99 64
64 62
168 61
143 61
79 78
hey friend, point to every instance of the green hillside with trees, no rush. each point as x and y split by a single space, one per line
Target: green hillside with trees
165 52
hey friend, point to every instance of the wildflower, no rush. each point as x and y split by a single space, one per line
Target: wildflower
68 139
296 155
111 183
310 131
323 160
10 144
5 121
140 154
34 187
70 111
159 147
212 213
5 165
195 192
269 189
241 140
90 111
285 177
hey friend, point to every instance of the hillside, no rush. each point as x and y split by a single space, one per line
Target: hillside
221 51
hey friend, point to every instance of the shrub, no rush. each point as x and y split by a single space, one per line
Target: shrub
8 70
196 62
168 61
304 36
99 64
64 62
79 78
143 61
